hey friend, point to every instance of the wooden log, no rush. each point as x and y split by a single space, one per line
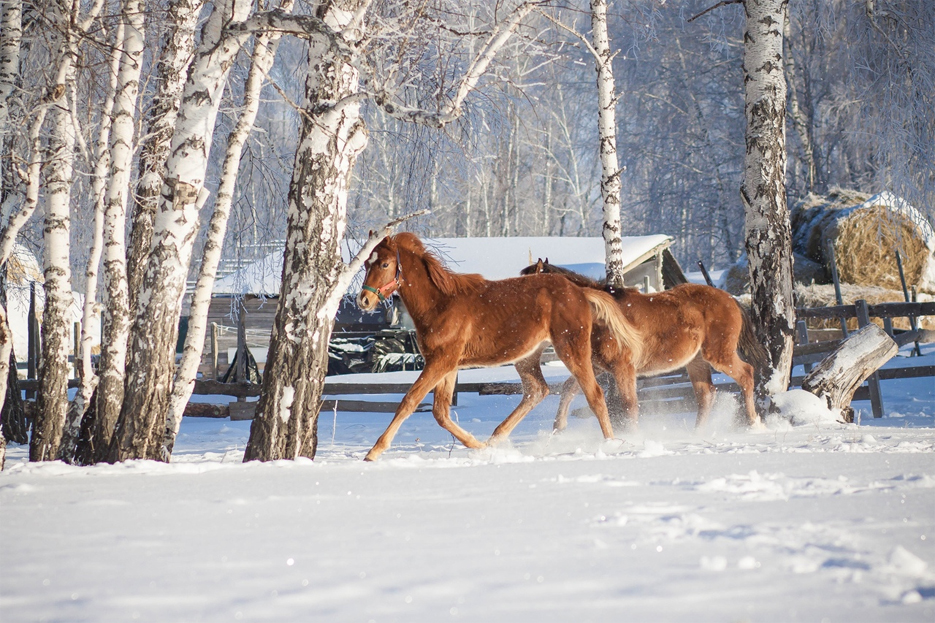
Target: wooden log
839 375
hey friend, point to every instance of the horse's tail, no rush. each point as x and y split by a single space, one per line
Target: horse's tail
607 312
750 348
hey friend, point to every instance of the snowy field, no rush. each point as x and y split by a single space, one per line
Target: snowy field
812 522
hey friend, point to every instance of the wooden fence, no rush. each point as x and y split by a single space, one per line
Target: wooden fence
671 392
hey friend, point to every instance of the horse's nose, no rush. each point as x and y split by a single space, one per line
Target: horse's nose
362 300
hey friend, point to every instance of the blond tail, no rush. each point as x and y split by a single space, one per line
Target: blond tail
607 313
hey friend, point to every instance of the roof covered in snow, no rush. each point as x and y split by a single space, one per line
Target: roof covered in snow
494 258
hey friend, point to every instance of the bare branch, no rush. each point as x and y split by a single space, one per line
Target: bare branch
716 6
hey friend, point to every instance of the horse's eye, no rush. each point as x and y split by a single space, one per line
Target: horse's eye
386 264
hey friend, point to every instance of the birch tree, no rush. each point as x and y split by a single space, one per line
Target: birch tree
115 332
264 52
174 58
763 192
314 278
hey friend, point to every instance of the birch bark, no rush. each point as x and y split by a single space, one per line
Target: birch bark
52 397
174 59
607 129
11 34
151 357
763 192
332 135
264 53
87 377
116 310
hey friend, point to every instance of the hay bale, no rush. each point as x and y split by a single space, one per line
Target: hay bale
865 233
823 296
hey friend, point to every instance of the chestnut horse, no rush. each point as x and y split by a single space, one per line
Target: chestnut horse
689 325
466 321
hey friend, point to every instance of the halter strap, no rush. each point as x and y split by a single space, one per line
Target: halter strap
384 291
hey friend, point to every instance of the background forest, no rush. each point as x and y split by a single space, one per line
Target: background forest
523 159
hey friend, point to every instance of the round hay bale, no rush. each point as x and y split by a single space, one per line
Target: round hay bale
865 234
865 244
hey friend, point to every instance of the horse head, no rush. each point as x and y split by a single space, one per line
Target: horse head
382 276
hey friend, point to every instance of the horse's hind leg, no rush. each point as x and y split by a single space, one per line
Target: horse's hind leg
442 407
570 389
584 373
699 372
742 372
534 390
625 376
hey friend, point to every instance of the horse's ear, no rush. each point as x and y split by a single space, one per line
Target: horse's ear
546 261
370 235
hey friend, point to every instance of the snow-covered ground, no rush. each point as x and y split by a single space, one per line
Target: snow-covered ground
814 522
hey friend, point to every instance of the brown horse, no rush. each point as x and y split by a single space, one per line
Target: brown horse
466 321
689 325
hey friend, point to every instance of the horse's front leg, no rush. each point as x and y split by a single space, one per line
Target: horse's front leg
433 373
441 410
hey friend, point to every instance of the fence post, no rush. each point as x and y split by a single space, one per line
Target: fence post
77 343
32 343
913 325
801 333
704 273
873 381
214 347
242 346
837 284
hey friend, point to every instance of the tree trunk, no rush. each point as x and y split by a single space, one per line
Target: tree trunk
52 398
286 422
264 52
607 128
151 359
174 59
795 112
115 333
88 379
11 34
763 193
839 374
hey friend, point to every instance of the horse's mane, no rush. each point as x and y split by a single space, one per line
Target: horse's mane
450 283
576 278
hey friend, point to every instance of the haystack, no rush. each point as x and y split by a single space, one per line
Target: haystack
865 233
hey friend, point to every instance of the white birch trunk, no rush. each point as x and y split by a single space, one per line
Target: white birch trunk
11 34
151 357
116 327
87 377
6 347
52 398
607 129
286 421
768 232
174 60
264 53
